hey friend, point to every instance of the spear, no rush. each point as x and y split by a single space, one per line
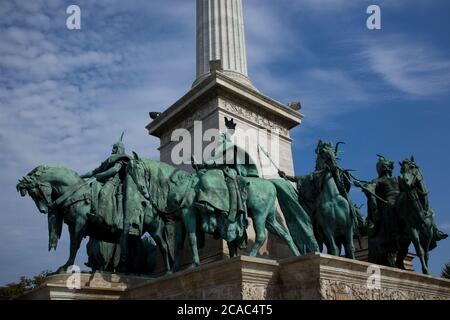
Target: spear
268 157
359 185
276 167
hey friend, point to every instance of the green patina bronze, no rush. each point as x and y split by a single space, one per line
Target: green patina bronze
174 192
323 194
222 191
126 197
105 257
398 214
93 208
298 221
382 194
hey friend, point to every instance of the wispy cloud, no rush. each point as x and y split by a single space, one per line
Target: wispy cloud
338 6
414 68
275 40
65 97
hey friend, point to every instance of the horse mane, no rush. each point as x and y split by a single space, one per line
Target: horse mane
37 171
166 170
40 170
30 179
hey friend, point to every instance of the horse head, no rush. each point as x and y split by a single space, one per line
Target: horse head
139 174
326 155
38 189
410 172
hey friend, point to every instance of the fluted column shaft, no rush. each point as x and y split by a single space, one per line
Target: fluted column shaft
220 36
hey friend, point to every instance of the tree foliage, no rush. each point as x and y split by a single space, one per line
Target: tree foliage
25 284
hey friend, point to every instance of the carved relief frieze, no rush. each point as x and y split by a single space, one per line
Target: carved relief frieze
254 114
339 290
194 112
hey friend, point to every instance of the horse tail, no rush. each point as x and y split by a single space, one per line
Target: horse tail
297 219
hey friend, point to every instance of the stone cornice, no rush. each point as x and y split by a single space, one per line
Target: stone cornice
212 84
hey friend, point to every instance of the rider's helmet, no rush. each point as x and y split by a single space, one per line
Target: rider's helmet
384 165
119 147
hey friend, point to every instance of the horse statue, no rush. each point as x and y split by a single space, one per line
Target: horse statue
415 216
172 192
325 193
67 198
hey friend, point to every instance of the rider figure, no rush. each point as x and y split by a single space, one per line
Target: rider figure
340 176
381 217
112 201
326 160
111 166
112 175
225 159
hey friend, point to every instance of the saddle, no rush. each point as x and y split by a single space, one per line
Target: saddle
222 194
222 190
103 213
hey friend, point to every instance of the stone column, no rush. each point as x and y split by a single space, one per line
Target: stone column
220 36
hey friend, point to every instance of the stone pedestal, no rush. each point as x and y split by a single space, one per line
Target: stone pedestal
92 286
325 277
312 277
239 278
260 121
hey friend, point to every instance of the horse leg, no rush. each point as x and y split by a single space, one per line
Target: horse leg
339 244
165 253
190 223
276 228
162 245
318 234
349 245
402 253
180 234
76 232
419 250
260 232
329 240
426 256
426 247
349 248
233 248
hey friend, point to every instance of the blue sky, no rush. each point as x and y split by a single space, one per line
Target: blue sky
65 96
